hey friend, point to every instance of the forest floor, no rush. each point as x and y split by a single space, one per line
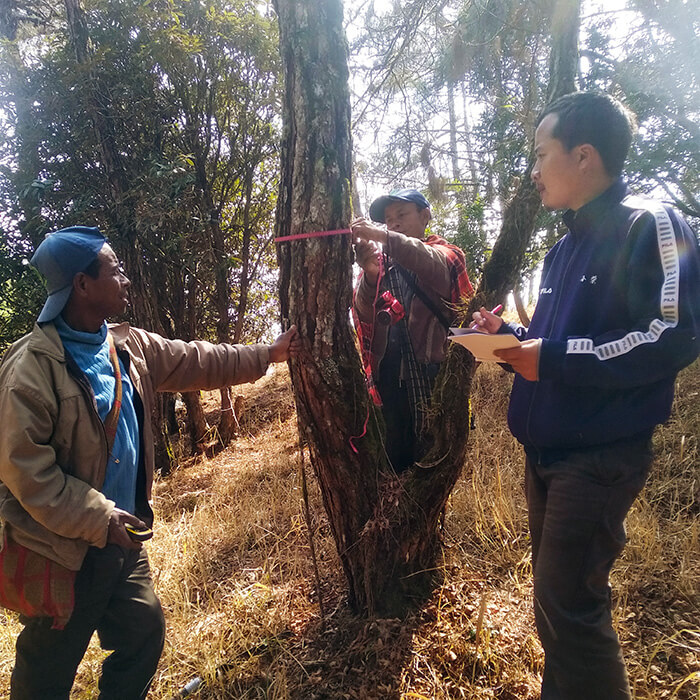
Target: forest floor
231 563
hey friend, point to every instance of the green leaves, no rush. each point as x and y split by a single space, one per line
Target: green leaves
163 136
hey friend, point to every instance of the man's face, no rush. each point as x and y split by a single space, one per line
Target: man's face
108 294
557 173
406 218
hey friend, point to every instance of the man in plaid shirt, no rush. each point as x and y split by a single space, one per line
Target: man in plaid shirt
403 344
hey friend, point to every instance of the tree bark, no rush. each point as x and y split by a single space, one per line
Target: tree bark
385 527
563 57
197 423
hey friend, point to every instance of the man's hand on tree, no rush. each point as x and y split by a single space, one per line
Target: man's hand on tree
285 346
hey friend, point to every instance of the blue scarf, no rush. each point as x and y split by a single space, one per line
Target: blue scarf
91 353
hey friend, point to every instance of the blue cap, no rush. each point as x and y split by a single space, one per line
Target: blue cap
376 209
59 258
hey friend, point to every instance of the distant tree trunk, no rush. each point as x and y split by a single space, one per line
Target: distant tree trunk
143 309
28 162
244 278
453 129
387 544
474 186
222 294
502 270
520 307
228 423
197 425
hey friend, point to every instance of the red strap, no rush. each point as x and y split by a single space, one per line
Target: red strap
111 421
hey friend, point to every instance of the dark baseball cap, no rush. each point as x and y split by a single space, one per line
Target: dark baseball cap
60 257
376 209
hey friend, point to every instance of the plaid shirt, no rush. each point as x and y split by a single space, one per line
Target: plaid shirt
440 271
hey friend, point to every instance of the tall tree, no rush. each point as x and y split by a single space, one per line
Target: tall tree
651 61
385 527
18 17
98 107
21 187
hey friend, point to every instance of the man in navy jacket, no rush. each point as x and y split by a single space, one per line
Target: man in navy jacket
618 316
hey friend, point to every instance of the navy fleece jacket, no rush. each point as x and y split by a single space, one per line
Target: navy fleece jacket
619 315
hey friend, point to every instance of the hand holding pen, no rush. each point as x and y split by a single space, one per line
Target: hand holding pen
487 321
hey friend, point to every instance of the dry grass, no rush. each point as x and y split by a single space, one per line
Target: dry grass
231 564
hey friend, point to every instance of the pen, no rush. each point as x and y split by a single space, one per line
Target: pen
496 310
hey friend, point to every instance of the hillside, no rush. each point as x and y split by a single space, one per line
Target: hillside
231 563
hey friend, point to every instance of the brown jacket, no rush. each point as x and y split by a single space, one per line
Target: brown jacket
53 449
432 270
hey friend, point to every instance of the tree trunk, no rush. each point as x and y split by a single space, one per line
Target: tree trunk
196 423
222 294
387 545
28 161
452 112
501 272
563 57
474 186
228 422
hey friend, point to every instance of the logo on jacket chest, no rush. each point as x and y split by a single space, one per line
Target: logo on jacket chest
584 279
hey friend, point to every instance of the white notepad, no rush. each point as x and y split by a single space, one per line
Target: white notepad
482 345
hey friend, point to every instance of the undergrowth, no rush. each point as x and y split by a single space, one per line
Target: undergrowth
231 564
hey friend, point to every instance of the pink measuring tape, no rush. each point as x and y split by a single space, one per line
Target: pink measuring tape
352 438
312 234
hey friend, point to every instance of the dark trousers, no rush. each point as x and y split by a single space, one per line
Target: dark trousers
577 507
403 446
114 596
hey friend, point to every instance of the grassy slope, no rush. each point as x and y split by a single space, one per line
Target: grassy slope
231 564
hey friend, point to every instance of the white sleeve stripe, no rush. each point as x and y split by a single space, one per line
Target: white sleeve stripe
668 251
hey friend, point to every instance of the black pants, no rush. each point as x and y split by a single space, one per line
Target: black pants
114 596
577 507
403 446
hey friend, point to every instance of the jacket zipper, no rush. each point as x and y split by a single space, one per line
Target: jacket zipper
549 331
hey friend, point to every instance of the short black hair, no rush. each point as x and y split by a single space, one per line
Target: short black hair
595 118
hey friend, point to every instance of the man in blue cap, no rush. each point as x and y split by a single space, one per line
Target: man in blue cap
404 304
76 467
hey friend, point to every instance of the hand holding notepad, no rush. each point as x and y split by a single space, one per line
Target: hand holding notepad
481 344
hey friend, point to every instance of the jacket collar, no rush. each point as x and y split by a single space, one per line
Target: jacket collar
120 332
588 217
45 339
